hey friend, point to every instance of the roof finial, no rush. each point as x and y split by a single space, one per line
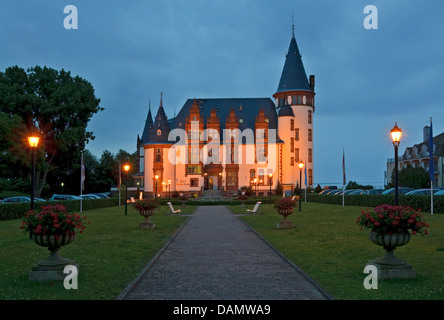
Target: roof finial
161 102
292 24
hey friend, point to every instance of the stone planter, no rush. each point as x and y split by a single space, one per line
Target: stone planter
51 268
285 224
389 266
147 224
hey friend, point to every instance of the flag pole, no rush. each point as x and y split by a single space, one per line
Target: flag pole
343 177
81 179
431 166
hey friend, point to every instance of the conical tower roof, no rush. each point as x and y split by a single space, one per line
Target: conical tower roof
293 75
160 123
148 125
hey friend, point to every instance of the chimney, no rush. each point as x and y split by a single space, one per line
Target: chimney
426 133
312 82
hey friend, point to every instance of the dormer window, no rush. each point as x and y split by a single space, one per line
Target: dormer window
159 132
241 120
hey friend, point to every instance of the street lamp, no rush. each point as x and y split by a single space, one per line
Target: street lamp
169 189
396 134
269 182
33 143
126 168
301 166
255 188
155 195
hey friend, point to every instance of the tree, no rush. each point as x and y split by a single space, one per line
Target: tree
354 185
318 188
57 107
410 177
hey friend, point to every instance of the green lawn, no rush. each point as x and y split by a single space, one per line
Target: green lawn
110 253
328 245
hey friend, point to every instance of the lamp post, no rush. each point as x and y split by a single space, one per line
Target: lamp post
169 189
155 195
301 166
396 134
62 185
126 168
269 182
163 190
33 143
255 188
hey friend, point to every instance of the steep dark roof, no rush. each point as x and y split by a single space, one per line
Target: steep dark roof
293 75
438 142
246 109
148 125
160 123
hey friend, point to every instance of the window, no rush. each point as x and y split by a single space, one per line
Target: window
310 176
194 169
309 135
291 161
261 156
291 124
231 178
292 144
296 134
158 155
252 175
294 100
193 155
261 177
296 154
194 182
309 116
310 155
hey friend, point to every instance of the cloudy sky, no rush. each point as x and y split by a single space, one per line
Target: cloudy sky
131 51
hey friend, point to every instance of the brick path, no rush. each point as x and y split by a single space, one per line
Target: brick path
216 256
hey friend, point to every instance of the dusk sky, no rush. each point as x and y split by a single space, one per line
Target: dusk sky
131 51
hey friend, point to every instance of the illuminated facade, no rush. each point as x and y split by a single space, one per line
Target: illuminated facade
225 144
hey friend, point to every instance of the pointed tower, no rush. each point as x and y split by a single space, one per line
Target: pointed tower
294 99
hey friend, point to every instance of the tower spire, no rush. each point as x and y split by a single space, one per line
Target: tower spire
292 25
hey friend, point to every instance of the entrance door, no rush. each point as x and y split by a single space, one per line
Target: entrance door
210 183
214 183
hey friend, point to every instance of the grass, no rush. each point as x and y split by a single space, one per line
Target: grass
111 253
328 245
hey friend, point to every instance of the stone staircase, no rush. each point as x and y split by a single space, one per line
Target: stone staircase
209 195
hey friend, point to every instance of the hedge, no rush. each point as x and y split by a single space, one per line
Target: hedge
373 200
18 210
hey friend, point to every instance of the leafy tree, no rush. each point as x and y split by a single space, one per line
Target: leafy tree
355 185
318 188
57 107
410 177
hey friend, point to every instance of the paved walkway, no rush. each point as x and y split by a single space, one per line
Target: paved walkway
215 256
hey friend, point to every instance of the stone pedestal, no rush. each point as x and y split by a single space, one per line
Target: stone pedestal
285 224
51 269
391 267
147 225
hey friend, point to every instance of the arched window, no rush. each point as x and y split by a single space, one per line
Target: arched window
159 132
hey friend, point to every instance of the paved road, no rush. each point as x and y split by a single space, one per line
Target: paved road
215 256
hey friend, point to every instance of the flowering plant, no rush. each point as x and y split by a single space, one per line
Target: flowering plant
53 220
284 203
387 219
145 204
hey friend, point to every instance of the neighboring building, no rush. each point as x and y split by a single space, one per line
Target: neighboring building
282 136
418 156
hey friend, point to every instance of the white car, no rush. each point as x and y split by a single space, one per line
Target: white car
21 199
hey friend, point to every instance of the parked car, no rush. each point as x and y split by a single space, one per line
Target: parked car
439 193
21 199
373 191
101 195
89 196
56 197
400 190
420 192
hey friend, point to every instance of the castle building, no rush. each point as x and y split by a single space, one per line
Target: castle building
227 143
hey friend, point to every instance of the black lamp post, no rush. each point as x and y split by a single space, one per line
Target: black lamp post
301 166
269 182
396 134
169 189
33 143
155 195
126 168
255 188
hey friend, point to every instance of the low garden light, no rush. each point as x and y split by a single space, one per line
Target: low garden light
157 178
33 143
396 134
270 175
169 188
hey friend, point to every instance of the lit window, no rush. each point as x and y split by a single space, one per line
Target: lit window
159 132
